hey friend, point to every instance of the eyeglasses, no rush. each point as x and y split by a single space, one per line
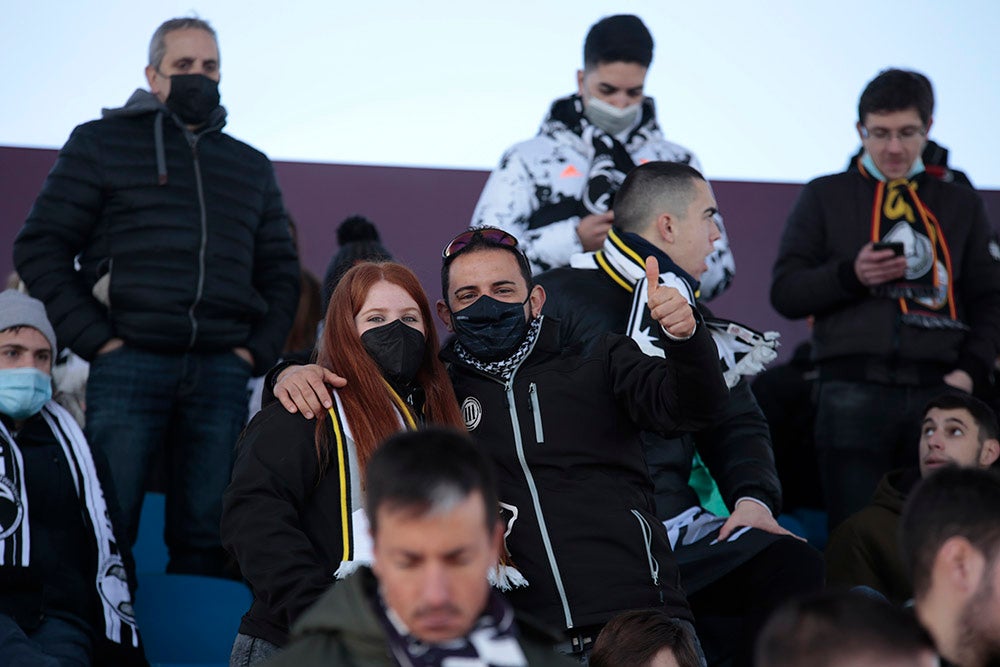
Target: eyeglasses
881 134
490 234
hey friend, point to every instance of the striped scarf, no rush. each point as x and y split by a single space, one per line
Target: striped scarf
111 579
926 293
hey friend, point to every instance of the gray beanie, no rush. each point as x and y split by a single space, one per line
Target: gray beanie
19 310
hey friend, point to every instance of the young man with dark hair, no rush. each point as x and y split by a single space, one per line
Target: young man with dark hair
896 266
957 429
562 427
555 190
734 570
839 629
66 573
950 537
431 501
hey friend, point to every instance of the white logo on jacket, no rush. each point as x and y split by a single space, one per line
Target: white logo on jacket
472 412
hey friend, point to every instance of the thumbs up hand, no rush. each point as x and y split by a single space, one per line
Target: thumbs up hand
667 305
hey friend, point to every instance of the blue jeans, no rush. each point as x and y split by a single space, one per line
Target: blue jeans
55 643
864 430
193 405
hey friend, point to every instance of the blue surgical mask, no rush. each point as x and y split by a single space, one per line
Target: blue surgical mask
23 391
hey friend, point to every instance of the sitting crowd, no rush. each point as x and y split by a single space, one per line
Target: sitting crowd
580 473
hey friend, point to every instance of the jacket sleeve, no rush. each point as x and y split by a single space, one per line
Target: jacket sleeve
680 393
806 280
273 479
508 201
979 295
276 278
736 447
59 226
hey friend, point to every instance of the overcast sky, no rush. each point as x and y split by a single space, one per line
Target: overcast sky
759 90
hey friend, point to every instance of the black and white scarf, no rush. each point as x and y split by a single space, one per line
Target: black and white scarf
111 579
503 368
492 642
742 350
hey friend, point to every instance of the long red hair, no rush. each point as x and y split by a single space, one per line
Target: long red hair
369 408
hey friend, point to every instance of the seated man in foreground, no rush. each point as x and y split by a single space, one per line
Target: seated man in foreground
431 499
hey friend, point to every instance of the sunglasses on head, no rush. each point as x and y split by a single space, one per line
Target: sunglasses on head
490 234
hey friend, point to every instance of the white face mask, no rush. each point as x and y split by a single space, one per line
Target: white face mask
610 118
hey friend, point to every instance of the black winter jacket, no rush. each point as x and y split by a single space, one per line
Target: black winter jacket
564 435
736 446
858 336
187 229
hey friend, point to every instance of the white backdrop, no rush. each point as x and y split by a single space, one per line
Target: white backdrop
760 90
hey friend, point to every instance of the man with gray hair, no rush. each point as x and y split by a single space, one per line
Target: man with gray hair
432 504
161 249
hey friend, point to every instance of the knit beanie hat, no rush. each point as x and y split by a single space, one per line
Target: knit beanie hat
20 310
359 242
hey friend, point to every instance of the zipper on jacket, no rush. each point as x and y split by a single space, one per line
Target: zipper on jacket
536 410
647 538
533 490
204 243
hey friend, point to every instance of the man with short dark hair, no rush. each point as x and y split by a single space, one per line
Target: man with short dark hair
840 629
66 574
901 274
957 429
432 506
554 192
644 638
162 251
734 570
562 427
950 536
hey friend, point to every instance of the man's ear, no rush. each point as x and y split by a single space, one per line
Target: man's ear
665 227
989 452
150 78
536 300
444 314
960 566
860 130
579 81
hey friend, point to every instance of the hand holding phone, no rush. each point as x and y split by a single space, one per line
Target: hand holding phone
895 246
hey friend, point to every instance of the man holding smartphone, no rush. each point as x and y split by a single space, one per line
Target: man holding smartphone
902 275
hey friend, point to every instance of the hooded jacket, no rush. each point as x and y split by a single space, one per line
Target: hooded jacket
563 433
864 549
341 630
181 238
537 191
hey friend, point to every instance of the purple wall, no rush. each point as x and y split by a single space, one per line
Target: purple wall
419 210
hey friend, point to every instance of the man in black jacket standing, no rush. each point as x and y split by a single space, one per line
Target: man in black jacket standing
161 249
902 274
738 568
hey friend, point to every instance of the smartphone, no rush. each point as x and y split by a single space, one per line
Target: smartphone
896 247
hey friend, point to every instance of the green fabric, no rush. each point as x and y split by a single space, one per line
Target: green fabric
704 485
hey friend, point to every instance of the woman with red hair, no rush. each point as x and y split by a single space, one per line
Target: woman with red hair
292 515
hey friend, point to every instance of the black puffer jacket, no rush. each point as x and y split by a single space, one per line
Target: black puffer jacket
736 447
564 435
187 230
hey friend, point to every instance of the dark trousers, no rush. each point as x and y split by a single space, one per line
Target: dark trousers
864 430
54 643
730 611
190 405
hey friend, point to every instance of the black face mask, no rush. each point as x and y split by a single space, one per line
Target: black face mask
193 97
397 348
489 329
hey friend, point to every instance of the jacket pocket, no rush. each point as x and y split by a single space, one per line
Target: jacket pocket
647 540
